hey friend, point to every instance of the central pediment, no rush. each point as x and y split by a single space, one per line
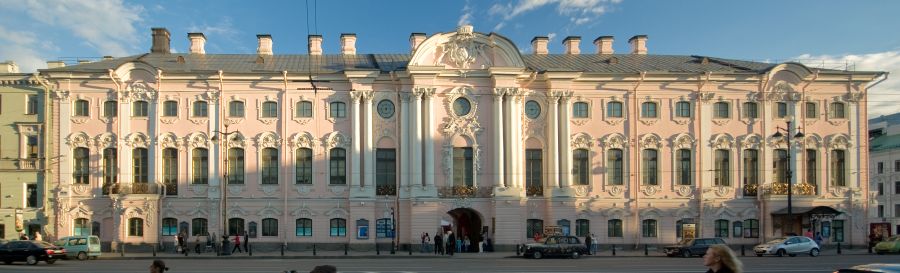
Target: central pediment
465 49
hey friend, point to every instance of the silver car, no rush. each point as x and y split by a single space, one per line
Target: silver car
788 245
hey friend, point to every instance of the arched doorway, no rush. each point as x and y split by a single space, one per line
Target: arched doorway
466 222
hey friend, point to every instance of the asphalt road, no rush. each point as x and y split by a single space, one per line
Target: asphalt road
460 264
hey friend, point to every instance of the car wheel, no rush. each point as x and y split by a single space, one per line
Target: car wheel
686 254
81 256
780 253
51 261
576 255
758 255
31 260
537 255
814 252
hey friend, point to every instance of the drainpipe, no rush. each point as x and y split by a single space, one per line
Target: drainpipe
284 118
117 222
47 153
635 159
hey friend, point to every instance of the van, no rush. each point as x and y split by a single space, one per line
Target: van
80 247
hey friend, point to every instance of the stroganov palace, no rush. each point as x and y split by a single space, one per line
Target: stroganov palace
464 132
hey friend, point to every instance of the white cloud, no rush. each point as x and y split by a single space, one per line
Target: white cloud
584 10
466 17
883 97
550 36
223 30
19 46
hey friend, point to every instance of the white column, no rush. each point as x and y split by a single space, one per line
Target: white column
415 156
553 139
508 145
65 129
369 152
499 179
565 142
519 158
355 96
124 151
427 136
404 141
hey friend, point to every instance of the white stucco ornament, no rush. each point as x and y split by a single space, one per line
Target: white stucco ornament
462 48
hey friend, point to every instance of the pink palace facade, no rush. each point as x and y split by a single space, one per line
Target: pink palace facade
464 132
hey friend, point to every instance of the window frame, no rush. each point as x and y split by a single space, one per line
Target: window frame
722 228
135 227
581 112
81 108
140 163
781 110
683 109
269 227
649 228
337 109
614 228
649 109
684 171
169 226
650 167
386 169
337 227
837 108
722 167
751 228
617 112
615 166
750 107
719 110
199 227
269 109
237 109
81 166
839 168
200 166
581 166
534 161
533 226
303 227
140 109
811 110
170 108
337 166
200 109
269 163
582 227
302 111
110 109
237 172
303 164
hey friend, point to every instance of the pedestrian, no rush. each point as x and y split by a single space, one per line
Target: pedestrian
720 259
197 244
179 243
23 236
587 243
537 237
594 244
237 243
809 234
438 244
451 243
324 269
427 242
246 242
819 240
158 266
37 236
422 238
466 244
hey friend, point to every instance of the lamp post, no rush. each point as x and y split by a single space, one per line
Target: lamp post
789 173
393 231
224 146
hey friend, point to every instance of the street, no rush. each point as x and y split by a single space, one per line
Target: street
460 263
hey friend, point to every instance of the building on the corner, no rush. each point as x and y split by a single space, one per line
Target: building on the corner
465 133
884 166
23 188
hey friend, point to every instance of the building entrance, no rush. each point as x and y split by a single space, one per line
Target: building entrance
466 222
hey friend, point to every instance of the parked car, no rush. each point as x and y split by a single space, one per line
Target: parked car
891 245
872 268
792 246
567 246
80 247
692 247
31 252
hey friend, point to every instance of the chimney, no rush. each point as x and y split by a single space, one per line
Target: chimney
55 64
9 67
107 58
161 40
571 45
84 61
416 39
638 44
604 44
348 43
265 44
198 43
539 45
315 44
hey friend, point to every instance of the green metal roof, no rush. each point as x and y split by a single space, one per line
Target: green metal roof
883 143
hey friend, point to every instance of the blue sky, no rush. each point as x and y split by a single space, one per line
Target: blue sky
828 32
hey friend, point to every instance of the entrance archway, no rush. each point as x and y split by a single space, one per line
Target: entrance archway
466 222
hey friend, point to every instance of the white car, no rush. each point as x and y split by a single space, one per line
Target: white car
788 245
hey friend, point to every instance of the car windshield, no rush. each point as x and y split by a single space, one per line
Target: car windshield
777 241
685 241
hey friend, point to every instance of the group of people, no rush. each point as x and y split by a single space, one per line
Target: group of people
36 236
448 243
158 266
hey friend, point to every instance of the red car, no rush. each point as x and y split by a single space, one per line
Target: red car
31 252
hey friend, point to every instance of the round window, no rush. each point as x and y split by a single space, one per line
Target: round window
386 108
462 106
532 109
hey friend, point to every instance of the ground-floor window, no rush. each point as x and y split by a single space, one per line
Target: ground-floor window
235 226
648 228
722 228
534 227
614 228
737 229
383 228
82 227
270 227
582 227
751 228
251 229
565 225
2 231
199 227
838 227
304 227
135 227
169 226
338 227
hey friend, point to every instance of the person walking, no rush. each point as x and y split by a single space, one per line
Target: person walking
237 243
246 242
23 236
466 244
158 266
594 244
819 239
179 243
451 243
587 243
438 244
720 259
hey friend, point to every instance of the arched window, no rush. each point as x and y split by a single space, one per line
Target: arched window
722 228
615 166
136 227
722 168
338 166
82 227
338 227
236 109
614 228
811 110
580 110
269 166
170 170
386 171
110 108
304 109
201 109
304 227
141 164
235 226
270 109
140 109
750 110
304 166
270 227
533 226
169 226
683 109
614 109
648 228
648 110
720 110
81 172
582 227
581 166
199 227
650 167
200 166
82 108
338 109
683 164
235 166
170 108
837 110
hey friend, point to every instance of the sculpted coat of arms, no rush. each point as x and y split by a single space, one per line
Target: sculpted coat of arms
462 49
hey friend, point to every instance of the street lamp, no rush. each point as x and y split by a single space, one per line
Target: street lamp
790 173
224 146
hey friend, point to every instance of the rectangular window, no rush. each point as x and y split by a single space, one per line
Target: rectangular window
615 166
32 105
580 110
534 170
386 171
781 110
304 109
684 167
141 165
812 170
82 108
582 227
199 227
720 110
838 168
236 109
338 227
722 168
170 170
304 227
837 227
722 228
170 108
304 166
110 169
581 167
614 109
880 211
650 167
338 110
614 228
533 227
750 110
683 109
169 226
751 228
269 166
200 166
110 109
896 165
338 166
270 109
896 187
235 166
811 110
779 166
880 167
462 167
270 227
140 109
31 195
837 110
896 210
201 109
880 188
136 227
384 228
648 228
648 110
32 147
737 229
751 167
81 172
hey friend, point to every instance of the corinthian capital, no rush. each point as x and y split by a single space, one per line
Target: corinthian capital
355 96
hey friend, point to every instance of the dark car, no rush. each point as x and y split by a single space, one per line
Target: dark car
872 268
566 246
31 252
692 247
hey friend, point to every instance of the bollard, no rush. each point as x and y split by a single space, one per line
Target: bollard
517 250
282 250
185 252
869 249
410 250
154 252
742 250
646 251
839 248
345 249
314 249
250 249
614 250
377 249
